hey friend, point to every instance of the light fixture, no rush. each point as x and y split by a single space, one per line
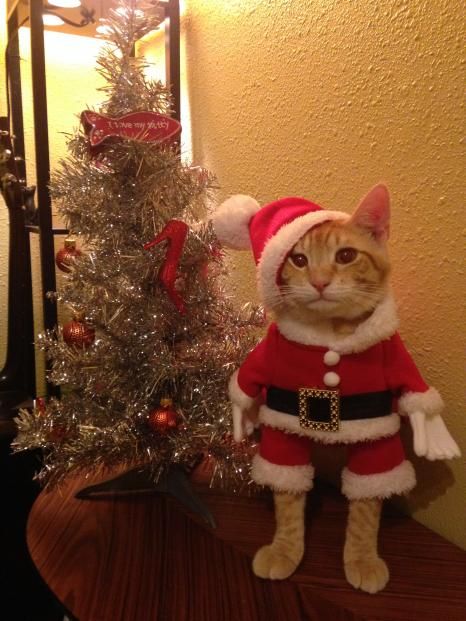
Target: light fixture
49 11
103 29
65 4
50 19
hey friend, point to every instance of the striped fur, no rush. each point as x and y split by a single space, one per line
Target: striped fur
364 569
351 291
280 559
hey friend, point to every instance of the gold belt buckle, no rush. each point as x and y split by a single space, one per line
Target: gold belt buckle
305 414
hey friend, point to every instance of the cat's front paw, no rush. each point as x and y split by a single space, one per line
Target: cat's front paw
370 575
272 563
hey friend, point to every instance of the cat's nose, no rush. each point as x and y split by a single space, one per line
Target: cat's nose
319 284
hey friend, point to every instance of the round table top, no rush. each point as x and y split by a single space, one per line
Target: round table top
144 558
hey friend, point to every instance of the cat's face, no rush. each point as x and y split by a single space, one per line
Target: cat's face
337 269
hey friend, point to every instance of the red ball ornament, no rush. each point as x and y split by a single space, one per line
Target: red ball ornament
66 255
78 334
164 418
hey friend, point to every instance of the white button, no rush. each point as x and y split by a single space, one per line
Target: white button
331 358
331 379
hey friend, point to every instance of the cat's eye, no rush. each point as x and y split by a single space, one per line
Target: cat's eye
300 260
346 255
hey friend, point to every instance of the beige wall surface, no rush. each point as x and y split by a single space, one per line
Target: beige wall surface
324 98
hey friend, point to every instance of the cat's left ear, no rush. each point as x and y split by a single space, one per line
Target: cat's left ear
373 213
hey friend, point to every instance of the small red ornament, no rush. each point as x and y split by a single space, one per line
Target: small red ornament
66 255
143 126
78 334
40 405
164 418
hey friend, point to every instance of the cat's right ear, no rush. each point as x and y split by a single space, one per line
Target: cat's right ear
373 213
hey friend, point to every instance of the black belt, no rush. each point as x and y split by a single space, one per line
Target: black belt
322 410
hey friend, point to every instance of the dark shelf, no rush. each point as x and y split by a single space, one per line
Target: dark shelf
33 228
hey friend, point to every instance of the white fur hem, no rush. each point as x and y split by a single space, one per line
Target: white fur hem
350 430
429 402
292 479
382 324
279 246
238 396
399 480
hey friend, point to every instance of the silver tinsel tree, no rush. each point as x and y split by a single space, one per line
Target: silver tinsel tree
135 348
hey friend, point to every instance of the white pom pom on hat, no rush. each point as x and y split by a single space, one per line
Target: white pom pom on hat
231 221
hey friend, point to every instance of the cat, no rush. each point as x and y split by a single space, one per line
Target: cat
328 371
333 278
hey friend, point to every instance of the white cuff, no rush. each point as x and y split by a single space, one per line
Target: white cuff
399 480
429 402
238 396
291 479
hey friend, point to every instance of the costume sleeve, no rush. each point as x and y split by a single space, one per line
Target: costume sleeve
406 382
247 383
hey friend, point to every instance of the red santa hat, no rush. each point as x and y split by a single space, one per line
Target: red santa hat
270 232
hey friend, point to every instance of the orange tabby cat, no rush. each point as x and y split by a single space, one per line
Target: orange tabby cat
334 277
328 371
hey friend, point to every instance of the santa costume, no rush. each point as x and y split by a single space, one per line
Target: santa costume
315 388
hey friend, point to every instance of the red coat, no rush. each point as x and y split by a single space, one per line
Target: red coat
283 363
372 359
279 362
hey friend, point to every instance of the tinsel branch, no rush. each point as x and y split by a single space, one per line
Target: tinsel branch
114 201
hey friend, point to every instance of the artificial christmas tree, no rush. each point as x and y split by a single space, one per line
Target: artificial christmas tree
158 338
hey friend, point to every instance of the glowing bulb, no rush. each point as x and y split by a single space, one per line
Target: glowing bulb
66 4
52 20
103 29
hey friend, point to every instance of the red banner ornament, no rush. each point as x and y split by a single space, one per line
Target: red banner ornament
141 126
175 233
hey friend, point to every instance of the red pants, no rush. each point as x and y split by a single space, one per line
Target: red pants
375 468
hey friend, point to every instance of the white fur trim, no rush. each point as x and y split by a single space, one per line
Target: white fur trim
231 221
350 430
238 396
293 479
429 402
399 480
381 325
279 246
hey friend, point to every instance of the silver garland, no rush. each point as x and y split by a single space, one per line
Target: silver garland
144 350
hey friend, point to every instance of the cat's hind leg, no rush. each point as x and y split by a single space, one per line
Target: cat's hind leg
364 569
280 559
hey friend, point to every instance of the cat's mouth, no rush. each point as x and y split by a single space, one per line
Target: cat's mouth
321 299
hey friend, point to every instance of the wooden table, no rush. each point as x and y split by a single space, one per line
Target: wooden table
144 559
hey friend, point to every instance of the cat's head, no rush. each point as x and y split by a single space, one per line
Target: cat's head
339 268
312 262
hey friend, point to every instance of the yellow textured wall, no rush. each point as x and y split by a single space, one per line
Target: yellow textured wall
324 98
